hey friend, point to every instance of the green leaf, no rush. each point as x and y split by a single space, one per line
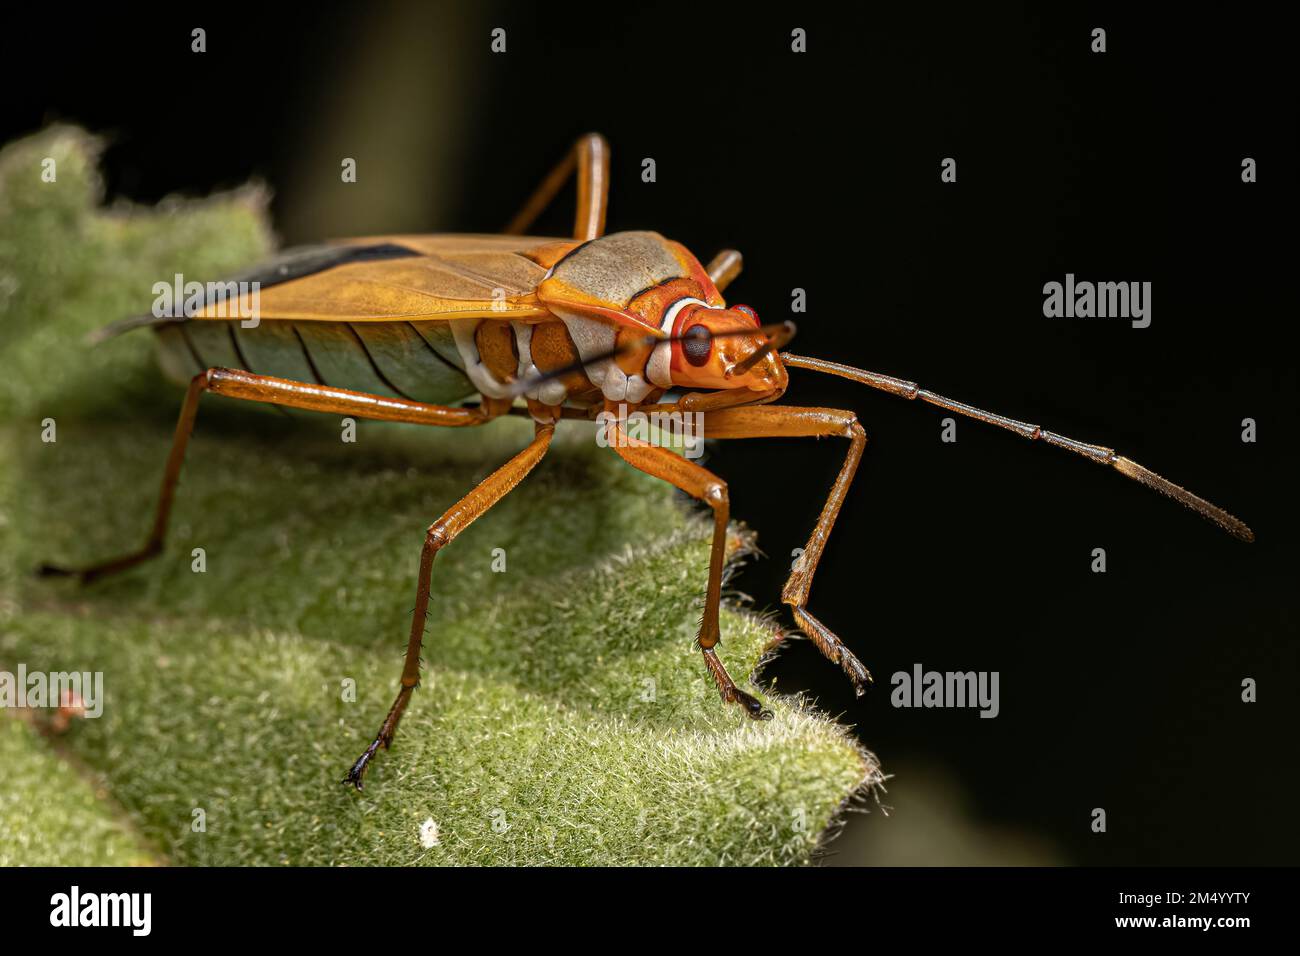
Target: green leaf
565 715
52 816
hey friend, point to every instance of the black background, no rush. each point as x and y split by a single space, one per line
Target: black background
1118 690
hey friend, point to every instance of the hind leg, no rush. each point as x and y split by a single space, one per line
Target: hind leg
589 160
275 391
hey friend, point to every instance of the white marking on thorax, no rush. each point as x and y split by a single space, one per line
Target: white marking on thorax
462 330
659 368
596 338
553 392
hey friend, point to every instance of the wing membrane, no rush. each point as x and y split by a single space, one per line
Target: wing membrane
380 279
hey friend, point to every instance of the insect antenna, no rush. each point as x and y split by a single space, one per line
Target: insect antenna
1098 453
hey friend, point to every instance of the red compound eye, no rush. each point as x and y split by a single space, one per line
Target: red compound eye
749 312
697 345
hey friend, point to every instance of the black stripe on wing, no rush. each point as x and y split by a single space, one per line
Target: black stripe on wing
291 264
308 260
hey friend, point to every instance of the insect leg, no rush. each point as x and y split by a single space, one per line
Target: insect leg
277 391
724 268
712 490
589 157
440 534
781 421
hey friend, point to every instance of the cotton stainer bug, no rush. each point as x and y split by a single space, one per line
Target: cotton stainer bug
406 328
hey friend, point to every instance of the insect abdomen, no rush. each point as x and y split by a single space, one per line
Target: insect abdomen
417 361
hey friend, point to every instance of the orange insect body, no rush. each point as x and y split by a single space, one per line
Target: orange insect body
383 315
404 328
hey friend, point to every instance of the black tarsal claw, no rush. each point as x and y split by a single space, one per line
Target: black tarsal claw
753 706
859 675
357 772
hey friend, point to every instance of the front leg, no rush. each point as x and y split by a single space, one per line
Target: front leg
780 421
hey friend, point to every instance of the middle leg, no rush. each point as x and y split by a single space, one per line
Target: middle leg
707 487
440 534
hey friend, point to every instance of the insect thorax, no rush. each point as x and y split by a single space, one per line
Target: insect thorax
622 283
